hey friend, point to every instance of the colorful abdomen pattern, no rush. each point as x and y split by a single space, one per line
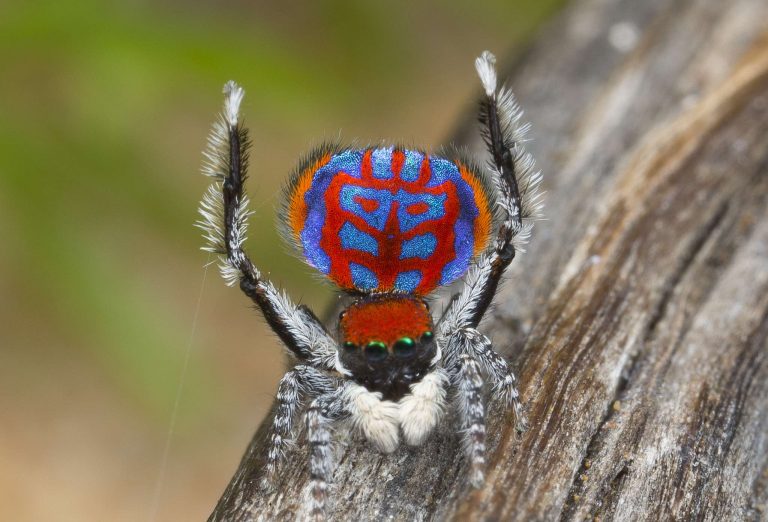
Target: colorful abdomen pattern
387 219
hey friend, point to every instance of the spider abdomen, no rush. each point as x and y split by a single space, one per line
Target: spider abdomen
387 219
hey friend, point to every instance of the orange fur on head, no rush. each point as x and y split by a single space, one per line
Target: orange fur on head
386 320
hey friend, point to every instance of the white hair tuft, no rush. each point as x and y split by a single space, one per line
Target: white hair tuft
485 65
377 419
421 409
514 134
234 96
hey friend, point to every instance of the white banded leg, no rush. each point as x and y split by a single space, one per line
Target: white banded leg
321 412
472 411
301 380
496 367
516 182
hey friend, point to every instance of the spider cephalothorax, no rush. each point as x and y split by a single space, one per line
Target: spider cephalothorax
388 225
387 343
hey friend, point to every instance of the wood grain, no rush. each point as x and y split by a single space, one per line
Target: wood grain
638 319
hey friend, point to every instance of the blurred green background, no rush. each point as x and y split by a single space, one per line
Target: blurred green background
104 109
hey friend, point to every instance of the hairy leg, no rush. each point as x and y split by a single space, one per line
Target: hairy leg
477 345
469 383
321 413
301 381
516 182
225 213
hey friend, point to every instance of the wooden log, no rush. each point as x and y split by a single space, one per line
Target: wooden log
638 319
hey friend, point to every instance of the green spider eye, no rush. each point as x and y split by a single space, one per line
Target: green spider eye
376 351
427 336
349 346
404 347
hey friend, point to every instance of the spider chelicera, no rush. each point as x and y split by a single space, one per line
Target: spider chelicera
387 225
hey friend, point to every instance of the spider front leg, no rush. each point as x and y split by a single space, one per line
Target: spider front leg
516 182
301 381
225 213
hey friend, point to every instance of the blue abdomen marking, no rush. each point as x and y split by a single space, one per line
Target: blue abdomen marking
352 238
429 208
422 246
363 278
348 162
370 204
408 281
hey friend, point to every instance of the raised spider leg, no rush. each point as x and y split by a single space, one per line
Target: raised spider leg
225 213
516 183
301 381
480 348
469 383
321 412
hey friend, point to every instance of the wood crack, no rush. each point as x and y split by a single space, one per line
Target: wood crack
635 358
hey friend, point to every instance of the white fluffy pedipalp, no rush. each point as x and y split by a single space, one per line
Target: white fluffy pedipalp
421 409
377 419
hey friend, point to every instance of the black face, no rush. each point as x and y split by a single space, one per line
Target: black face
390 369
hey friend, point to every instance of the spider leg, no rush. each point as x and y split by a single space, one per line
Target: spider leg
225 213
516 182
474 343
320 414
472 412
302 380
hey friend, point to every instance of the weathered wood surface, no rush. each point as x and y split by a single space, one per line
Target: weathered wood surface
638 319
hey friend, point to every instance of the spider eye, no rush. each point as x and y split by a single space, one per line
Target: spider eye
403 347
349 346
376 351
427 336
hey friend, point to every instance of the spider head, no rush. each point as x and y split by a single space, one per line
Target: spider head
387 342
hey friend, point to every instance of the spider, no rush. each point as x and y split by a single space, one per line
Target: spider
388 225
